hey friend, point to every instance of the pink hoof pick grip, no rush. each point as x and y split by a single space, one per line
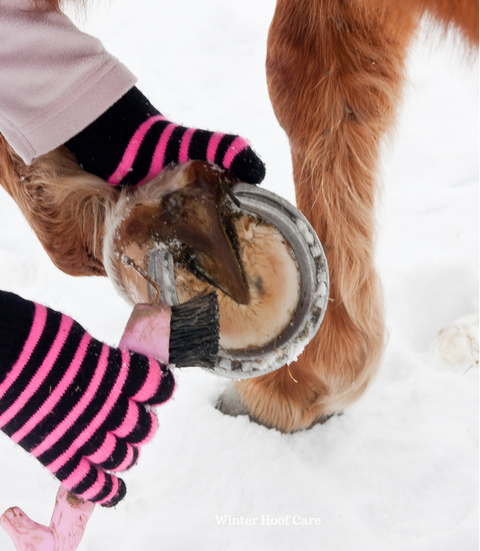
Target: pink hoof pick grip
148 329
182 335
64 533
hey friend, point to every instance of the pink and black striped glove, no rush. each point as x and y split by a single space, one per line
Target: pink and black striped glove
77 405
132 142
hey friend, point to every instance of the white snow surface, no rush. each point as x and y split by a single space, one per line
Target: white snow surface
399 469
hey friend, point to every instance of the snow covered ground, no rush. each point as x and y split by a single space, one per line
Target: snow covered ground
398 471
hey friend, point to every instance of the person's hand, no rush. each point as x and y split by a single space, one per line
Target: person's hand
77 405
132 142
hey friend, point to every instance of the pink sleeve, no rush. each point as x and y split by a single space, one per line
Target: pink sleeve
54 79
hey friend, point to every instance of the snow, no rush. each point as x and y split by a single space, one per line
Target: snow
456 346
398 470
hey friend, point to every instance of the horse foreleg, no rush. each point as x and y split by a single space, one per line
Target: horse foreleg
64 205
335 73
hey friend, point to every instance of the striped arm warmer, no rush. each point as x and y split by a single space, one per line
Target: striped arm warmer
77 405
132 142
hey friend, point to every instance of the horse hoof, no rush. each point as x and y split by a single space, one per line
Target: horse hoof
230 403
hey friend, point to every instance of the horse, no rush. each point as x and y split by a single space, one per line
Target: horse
336 71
